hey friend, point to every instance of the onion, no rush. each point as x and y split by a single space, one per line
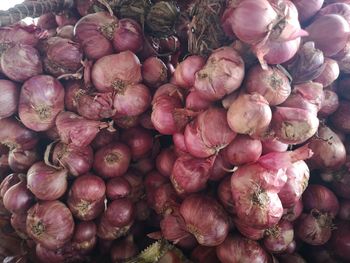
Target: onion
205 219
123 249
179 143
328 29
340 240
330 103
292 213
204 254
73 90
21 161
128 36
208 133
117 188
307 9
67 17
293 126
329 151
104 137
95 32
221 167
271 83
136 182
19 33
190 174
165 199
307 64
9 181
77 160
154 72
291 258
340 8
344 210
320 254
249 114
15 135
9 98
314 228
115 72
185 72
168 89
320 198
18 199
243 149
112 160
106 231
165 161
84 237
273 145
50 224
47 21
40 101
343 88
46 255
236 248
18 222
94 106
298 175
340 118
144 165
127 122
278 238
152 182
77 130
86 197
195 102
248 231
45 182
120 212
222 74
21 62
66 32
142 210
329 74
62 56
132 100
225 195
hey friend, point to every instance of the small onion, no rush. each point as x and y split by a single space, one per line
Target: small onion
120 212
184 75
9 98
340 119
127 36
104 137
330 103
340 240
292 213
123 249
84 237
18 222
273 145
307 9
106 231
8 182
66 32
225 195
221 167
248 231
18 199
329 74
50 224
195 102
21 161
278 238
344 210
154 72
117 187
165 161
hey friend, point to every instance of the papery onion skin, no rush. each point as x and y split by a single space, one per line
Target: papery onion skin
337 7
205 219
221 167
195 102
18 199
225 195
330 103
104 137
249 114
50 224
271 83
120 212
45 182
236 248
21 161
117 187
127 36
112 160
321 198
66 32
165 161
86 197
185 71
106 231
9 98
278 237
73 90
339 242
273 145
21 62
107 77
340 119
154 72
8 182
248 231
94 33
329 74
307 9
18 222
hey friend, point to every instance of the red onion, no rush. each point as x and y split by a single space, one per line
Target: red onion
341 182
225 195
154 72
330 103
328 29
18 222
222 74
19 33
104 137
112 160
292 213
168 89
343 88
344 210
40 101
50 224
278 237
205 219
340 8
298 175
221 167
184 75
329 74
95 32
195 102
117 187
9 98
291 258
340 240
127 36
329 151
179 143
45 182
307 9
21 62
73 91
120 212
9 181
18 199
115 72
86 197
165 199
320 198
62 56
84 237
190 174
165 161
271 83
236 248
21 161
123 250
66 32
293 126
77 160
248 231
47 21
152 181
208 133
46 255
77 130
132 100
314 228
243 149
204 255
144 165
126 122
249 114
136 182
67 17
340 118
273 145
106 231
142 210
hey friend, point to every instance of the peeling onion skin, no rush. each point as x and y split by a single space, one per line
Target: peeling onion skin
9 98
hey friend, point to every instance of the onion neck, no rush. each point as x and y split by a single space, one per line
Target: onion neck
107 30
38 228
